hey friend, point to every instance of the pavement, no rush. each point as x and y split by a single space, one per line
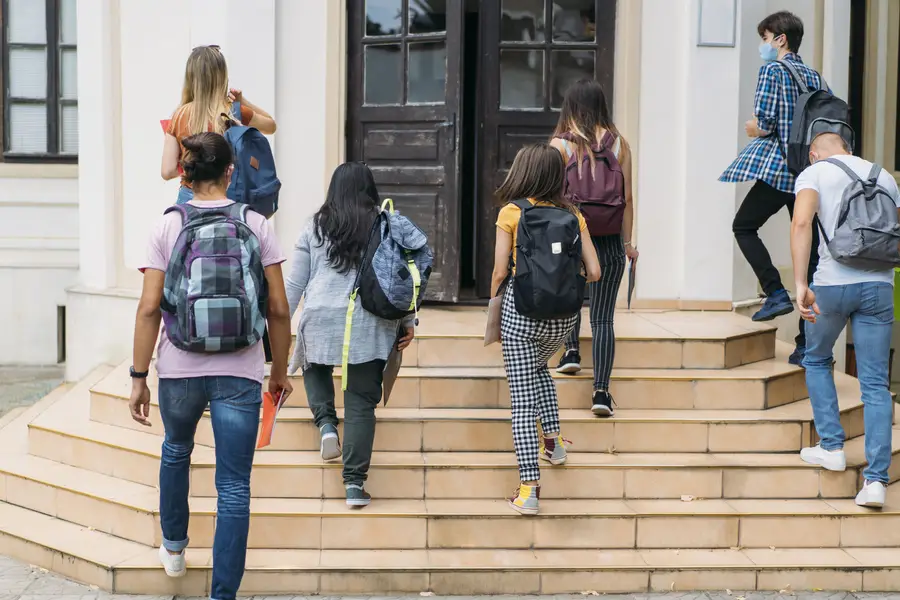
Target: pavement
23 386
23 582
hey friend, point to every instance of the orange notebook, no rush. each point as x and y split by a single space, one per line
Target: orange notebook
270 407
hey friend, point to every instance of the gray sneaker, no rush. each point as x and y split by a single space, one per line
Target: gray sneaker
330 446
357 497
553 450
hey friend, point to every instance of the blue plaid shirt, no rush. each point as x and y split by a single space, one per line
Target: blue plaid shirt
764 157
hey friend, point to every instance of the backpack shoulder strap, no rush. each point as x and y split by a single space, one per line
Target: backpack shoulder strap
238 211
186 211
874 173
607 140
850 172
795 75
523 204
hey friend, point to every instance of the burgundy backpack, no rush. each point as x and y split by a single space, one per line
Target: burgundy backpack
600 198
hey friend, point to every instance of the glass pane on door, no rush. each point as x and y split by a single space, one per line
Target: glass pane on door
574 20
521 79
383 74
383 17
428 16
427 73
522 21
567 67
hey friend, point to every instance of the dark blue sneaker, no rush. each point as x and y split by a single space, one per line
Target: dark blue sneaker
797 355
357 496
776 305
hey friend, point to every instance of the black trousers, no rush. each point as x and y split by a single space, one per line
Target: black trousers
604 293
362 396
762 202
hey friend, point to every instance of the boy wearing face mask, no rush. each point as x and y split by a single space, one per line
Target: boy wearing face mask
764 160
843 293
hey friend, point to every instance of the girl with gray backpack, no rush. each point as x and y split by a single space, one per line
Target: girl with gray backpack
330 259
542 259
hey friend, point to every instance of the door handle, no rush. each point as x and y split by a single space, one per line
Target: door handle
451 124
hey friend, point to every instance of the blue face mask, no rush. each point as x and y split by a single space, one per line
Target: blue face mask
768 52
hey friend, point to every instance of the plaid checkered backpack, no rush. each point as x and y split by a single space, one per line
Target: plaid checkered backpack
215 293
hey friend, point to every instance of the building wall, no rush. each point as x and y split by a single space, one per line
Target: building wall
286 56
38 257
290 57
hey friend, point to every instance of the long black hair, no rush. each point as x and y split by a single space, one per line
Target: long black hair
345 220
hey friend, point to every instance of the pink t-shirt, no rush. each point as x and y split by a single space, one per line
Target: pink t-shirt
174 363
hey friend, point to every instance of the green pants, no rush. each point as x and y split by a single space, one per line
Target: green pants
362 396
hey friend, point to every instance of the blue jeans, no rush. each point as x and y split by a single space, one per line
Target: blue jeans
870 309
234 405
185 195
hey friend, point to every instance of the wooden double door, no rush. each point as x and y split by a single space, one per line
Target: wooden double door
443 93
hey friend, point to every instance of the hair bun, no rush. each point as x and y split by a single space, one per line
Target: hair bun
206 157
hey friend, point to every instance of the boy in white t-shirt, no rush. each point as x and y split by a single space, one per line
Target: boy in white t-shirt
840 294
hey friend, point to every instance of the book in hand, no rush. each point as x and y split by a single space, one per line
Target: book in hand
392 367
271 408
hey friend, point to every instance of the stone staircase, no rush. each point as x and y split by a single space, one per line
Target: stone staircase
695 484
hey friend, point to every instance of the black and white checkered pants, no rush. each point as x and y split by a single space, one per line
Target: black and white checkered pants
527 346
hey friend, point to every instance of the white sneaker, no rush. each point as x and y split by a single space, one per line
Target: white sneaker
833 460
173 563
871 495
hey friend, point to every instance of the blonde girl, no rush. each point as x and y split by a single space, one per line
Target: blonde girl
207 104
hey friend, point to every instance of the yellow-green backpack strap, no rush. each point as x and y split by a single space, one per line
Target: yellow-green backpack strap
388 205
345 353
417 280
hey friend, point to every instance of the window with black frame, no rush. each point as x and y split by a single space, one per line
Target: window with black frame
40 80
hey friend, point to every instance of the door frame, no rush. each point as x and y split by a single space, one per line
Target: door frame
491 116
448 255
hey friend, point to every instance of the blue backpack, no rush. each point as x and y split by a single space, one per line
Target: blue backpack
254 181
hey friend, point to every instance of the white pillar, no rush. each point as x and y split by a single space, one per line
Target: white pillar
836 42
691 130
302 98
98 118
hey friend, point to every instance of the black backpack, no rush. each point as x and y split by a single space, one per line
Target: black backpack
548 283
816 112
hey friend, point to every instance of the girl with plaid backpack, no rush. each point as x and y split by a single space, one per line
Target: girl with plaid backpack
533 193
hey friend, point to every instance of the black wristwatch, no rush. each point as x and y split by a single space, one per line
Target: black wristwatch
138 374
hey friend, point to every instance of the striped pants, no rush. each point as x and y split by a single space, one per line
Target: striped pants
603 293
527 346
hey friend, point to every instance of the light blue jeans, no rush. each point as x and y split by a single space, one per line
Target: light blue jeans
234 405
185 195
870 309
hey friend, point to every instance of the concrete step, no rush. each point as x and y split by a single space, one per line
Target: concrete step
644 339
757 386
131 511
125 567
787 428
134 456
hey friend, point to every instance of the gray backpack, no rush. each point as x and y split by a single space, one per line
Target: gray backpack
867 233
